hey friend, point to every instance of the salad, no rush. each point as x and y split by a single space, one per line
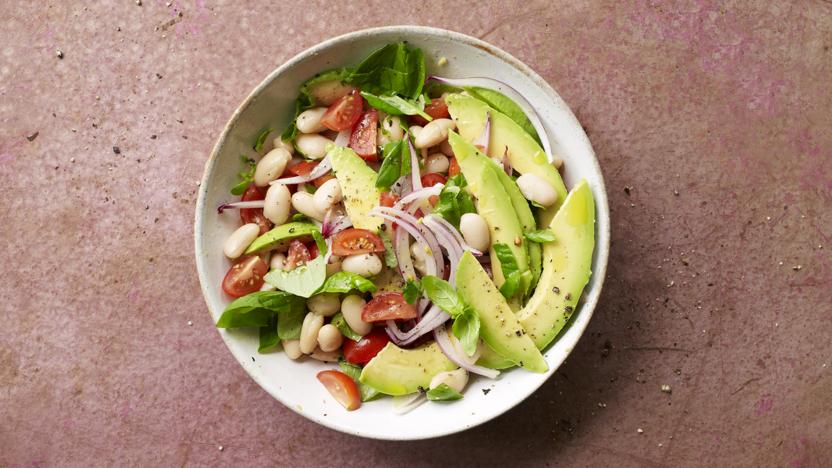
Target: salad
411 230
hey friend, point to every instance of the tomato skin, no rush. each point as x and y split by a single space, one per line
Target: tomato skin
388 199
245 276
342 388
297 255
305 167
313 250
255 215
436 108
354 241
453 169
363 138
429 180
388 306
365 349
344 113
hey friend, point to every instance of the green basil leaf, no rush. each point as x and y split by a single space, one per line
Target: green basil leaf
389 255
443 295
268 336
344 282
466 329
511 285
392 69
443 393
395 105
261 139
245 177
454 201
367 392
507 261
341 324
302 281
412 291
541 236
390 169
505 105
290 323
257 308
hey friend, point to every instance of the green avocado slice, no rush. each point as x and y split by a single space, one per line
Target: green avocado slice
396 371
280 234
358 184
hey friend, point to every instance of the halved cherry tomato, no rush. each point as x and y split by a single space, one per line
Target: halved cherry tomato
341 387
356 241
255 215
313 250
429 180
363 138
298 255
387 306
245 276
366 348
305 167
344 113
436 108
453 169
388 199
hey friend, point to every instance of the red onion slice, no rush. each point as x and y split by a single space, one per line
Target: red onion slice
241 205
335 221
484 140
422 235
460 358
401 247
404 404
415 173
343 138
322 168
422 194
453 231
433 318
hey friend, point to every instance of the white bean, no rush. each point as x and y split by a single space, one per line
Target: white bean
351 308
434 133
312 323
239 240
325 356
420 257
325 305
456 379
277 261
332 267
329 338
415 130
362 264
292 348
536 189
309 121
328 92
304 203
474 230
437 162
446 149
271 166
391 130
277 204
281 143
327 195
312 146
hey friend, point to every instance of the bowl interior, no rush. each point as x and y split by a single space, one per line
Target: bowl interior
271 106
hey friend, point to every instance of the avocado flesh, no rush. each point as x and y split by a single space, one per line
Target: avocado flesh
396 371
281 234
507 137
358 185
493 203
567 263
499 327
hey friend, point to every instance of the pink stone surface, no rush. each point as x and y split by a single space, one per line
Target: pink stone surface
716 114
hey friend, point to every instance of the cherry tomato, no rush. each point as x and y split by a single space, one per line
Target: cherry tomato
344 113
453 169
305 167
255 215
245 276
341 387
388 199
366 348
356 241
429 180
363 138
436 108
387 306
313 250
298 255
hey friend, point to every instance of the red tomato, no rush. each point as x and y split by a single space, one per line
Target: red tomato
387 306
245 276
341 387
454 168
313 250
305 167
363 138
436 108
388 199
298 255
344 113
255 215
356 241
429 180
366 348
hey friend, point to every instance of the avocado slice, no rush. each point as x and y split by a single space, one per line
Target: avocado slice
280 234
358 184
507 137
499 328
493 203
396 371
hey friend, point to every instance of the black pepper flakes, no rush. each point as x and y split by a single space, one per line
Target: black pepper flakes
116 150
556 290
485 391
568 309
568 296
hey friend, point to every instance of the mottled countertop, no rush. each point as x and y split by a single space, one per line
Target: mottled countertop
712 123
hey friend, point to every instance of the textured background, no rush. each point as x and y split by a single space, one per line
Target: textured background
712 123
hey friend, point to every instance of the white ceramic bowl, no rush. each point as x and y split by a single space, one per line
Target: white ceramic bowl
271 105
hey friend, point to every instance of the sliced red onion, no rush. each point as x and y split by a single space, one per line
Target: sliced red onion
423 235
433 318
335 221
450 244
415 173
401 247
484 140
322 168
453 231
241 205
507 163
404 404
343 138
459 357
512 93
422 194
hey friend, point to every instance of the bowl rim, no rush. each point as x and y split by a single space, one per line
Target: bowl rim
602 206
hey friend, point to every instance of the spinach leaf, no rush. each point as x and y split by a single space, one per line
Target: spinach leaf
289 324
515 280
341 324
504 105
391 165
412 291
268 336
392 69
261 140
443 393
367 392
541 236
454 201
344 282
257 308
302 281
245 177
466 329
443 295
389 255
395 105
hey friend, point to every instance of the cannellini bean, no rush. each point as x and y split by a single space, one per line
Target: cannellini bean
325 356
309 121
292 348
391 130
332 267
239 240
267 287
456 379
420 257
415 130
281 143
312 323
329 338
351 308
277 261
434 132
313 146
437 162
325 305
304 203
328 92
474 230
536 189
327 195
446 149
271 166
277 204
362 264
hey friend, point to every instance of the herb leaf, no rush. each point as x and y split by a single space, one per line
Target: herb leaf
245 177
367 392
341 324
290 323
454 201
306 99
261 140
412 291
268 336
515 280
303 281
443 393
395 105
466 329
392 69
541 236
344 282
257 308
391 165
443 295
389 255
